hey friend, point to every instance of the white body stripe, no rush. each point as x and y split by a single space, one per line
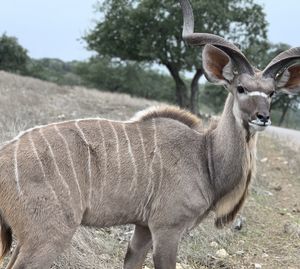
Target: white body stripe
142 144
56 123
158 155
155 142
161 170
89 161
118 154
16 166
105 160
149 191
257 93
72 164
36 155
135 172
41 165
55 163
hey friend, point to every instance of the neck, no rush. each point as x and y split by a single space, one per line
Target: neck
232 159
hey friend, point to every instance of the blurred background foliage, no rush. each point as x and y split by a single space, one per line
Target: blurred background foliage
139 50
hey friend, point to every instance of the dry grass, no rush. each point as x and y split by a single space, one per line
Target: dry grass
274 201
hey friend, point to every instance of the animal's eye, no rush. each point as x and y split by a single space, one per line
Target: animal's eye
272 94
241 89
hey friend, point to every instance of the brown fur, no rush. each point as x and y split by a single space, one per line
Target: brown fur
162 171
220 222
171 112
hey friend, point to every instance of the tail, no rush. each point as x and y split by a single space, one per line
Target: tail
5 237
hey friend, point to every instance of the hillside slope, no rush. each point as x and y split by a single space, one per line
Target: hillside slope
270 233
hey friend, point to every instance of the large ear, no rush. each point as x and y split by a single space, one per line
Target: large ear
217 65
289 80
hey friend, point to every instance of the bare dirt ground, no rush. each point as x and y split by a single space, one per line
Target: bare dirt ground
270 236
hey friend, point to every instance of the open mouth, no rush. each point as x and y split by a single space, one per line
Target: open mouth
260 123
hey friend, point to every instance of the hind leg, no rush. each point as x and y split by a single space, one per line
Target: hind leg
138 247
37 253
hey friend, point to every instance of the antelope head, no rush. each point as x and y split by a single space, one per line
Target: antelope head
252 89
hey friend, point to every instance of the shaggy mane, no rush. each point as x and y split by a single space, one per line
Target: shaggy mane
171 112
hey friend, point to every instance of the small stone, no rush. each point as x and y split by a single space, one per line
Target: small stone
61 116
277 188
292 229
105 257
268 193
240 253
257 266
222 253
264 255
238 223
214 244
263 160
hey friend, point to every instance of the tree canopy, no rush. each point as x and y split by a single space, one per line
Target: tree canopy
150 31
13 57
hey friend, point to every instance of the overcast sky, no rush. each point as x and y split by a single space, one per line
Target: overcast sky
53 28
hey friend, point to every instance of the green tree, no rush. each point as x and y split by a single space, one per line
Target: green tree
54 70
150 31
13 57
128 77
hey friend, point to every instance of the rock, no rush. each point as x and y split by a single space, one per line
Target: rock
61 116
264 255
289 215
263 160
105 257
222 253
238 223
267 193
277 188
214 244
240 253
296 209
257 266
292 229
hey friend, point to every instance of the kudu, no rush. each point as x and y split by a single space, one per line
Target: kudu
160 171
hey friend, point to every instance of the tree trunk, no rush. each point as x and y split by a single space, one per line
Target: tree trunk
194 100
284 113
181 89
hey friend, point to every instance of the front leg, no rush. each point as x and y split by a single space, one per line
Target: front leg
165 245
138 247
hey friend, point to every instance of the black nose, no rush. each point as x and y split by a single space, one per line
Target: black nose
263 117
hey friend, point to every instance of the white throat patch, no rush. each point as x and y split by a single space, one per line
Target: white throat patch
257 93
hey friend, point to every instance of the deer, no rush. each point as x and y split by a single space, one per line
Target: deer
161 170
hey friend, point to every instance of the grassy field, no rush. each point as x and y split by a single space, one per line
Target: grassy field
270 236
